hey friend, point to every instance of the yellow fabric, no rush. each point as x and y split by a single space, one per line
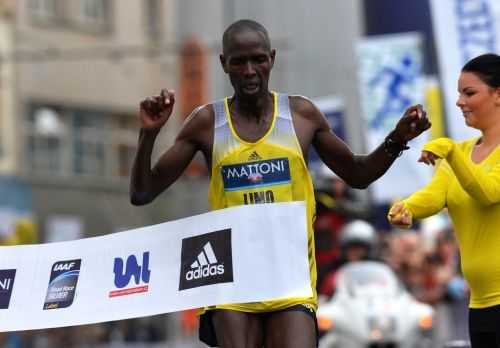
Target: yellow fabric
25 232
471 192
434 106
299 188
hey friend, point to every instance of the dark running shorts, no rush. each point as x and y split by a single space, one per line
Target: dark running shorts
207 331
484 327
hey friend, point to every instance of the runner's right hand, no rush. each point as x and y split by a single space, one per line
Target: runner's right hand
155 111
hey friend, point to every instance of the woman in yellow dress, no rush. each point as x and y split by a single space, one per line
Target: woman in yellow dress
467 183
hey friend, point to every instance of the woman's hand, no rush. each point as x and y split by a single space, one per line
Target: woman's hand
428 158
399 215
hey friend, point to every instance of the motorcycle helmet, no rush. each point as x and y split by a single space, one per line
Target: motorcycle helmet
358 232
431 227
457 344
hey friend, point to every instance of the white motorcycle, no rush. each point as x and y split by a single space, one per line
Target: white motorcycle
371 309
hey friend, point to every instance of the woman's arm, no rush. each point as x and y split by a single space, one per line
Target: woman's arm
482 185
428 201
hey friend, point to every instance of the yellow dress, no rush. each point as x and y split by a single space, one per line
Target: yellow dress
269 170
471 192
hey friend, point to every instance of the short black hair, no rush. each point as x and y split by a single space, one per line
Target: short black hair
486 67
243 25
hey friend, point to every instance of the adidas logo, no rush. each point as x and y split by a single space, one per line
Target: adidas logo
205 264
206 259
254 156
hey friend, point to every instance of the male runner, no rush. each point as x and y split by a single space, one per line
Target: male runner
253 127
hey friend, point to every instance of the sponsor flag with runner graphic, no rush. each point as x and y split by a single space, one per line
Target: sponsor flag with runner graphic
391 80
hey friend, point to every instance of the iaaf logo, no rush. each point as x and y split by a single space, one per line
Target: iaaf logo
62 284
132 269
213 260
205 265
64 266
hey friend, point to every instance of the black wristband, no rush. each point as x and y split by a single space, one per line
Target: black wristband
394 148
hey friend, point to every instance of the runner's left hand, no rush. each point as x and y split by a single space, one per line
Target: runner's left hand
412 124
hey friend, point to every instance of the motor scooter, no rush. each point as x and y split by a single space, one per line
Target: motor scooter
371 309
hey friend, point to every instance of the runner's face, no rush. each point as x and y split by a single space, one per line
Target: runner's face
478 101
248 62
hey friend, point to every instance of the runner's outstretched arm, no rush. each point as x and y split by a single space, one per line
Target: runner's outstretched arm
359 171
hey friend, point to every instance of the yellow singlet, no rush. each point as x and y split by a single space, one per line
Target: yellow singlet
269 170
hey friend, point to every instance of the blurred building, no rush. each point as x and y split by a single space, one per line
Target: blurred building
71 76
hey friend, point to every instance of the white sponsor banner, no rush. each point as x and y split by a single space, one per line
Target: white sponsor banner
240 254
391 80
463 29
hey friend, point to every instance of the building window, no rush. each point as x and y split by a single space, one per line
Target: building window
153 19
89 136
80 143
94 10
46 152
46 140
94 15
43 10
125 145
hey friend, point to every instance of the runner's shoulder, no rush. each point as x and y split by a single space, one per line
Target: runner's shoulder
202 116
304 107
199 124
